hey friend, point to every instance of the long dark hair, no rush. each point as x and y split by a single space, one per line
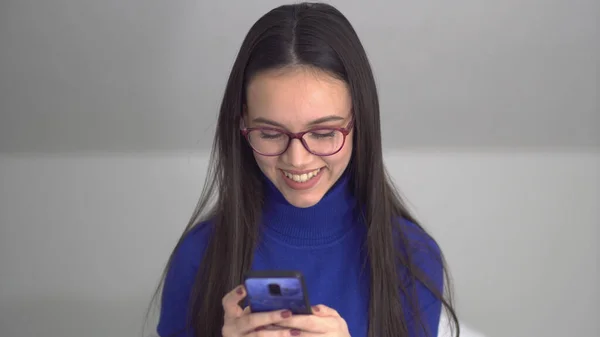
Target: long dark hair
320 37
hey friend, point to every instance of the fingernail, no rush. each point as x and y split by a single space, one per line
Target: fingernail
239 291
316 308
295 332
286 314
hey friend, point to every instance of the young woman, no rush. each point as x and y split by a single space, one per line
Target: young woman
298 183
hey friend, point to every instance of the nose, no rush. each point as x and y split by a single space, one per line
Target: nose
297 155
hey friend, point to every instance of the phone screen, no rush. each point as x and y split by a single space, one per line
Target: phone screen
276 293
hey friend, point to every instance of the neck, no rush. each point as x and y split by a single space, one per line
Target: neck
323 223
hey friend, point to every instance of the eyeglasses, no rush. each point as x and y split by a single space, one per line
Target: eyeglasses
322 141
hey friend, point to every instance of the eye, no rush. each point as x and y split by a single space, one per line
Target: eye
322 134
267 134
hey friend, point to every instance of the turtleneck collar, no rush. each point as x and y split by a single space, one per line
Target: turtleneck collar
323 223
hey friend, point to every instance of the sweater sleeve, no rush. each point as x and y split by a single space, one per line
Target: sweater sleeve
178 283
426 256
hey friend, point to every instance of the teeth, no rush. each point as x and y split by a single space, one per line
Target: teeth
301 178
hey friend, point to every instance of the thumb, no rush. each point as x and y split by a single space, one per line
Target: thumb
323 310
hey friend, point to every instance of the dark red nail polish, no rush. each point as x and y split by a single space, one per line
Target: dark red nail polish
239 291
286 314
295 332
315 308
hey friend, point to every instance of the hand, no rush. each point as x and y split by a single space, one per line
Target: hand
324 322
240 322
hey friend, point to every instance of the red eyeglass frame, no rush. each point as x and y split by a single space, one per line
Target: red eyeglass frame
291 136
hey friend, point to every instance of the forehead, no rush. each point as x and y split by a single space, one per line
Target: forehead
297 96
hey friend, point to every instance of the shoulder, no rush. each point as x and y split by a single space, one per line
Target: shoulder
422 270
192 245
180 277
412 239
187 257
420 256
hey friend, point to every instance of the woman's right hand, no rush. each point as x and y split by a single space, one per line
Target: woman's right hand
240 322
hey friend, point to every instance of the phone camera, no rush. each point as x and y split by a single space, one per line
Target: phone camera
274 289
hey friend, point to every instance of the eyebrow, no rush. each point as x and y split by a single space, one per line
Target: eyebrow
317 121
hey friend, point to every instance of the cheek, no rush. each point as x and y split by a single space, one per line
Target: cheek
266 164
339 161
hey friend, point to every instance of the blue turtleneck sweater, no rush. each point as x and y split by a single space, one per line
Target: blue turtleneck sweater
326 243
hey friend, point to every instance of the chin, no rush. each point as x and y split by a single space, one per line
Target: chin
302 200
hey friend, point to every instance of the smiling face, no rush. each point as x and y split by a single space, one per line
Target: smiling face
297 100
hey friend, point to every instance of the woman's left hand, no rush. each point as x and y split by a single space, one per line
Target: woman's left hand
324 322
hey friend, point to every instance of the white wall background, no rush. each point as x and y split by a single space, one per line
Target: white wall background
83 238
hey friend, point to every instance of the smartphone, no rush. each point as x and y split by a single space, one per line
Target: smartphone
277 290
